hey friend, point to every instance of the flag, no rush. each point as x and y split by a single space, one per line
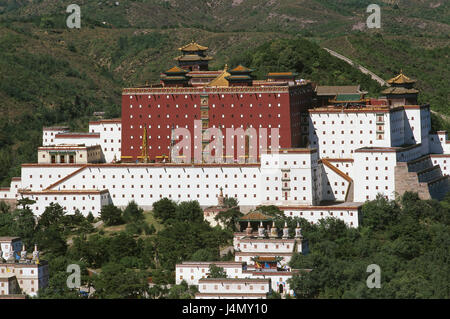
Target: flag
257 264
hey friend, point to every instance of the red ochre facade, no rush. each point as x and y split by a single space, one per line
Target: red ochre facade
162 109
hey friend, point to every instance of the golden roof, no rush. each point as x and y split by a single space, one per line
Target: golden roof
193 46
255 216
221 79
241 68
400 79
176 69
399 90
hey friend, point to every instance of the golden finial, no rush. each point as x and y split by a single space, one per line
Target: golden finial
226 67
144 145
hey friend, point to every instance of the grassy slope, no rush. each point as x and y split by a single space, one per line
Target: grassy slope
427 62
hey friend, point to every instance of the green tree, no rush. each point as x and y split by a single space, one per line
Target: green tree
271 210
133 213
230 202
53 216
379 213
229 218
204 254
24 225
25 202
216 272
182 291
111 215
189 211
117 282
164 209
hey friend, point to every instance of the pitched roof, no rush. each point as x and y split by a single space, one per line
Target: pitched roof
348 97
281 74
335 90
401 79
176 69
241 69
239 77
193 46
221 80
255 216
399 90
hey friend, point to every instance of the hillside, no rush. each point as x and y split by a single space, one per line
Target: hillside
327 17
52 75
427 61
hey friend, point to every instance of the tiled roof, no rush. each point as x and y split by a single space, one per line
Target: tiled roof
241 69
399 90
255 216
401 79
334 90
193 46
175 69
281 74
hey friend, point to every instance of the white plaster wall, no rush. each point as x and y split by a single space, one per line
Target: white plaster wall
110 139
374 173
349 216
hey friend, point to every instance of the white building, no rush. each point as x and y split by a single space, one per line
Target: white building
356 152
30 274
231 288
72 154
105 133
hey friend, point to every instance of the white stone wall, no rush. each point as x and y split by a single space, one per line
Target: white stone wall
110 138
6 246
439 144
265 245
374 173
276 279
337 135
48 135
290 178
30 277
147 184
86 202
234 286
81 154
443 161
315 214
397 127
335 186
192 272
411 153
38 177
77 139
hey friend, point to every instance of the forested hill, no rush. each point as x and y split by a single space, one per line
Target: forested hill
327 17
52 75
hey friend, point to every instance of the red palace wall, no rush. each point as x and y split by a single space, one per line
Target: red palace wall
168 107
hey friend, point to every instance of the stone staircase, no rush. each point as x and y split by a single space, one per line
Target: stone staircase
421 176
